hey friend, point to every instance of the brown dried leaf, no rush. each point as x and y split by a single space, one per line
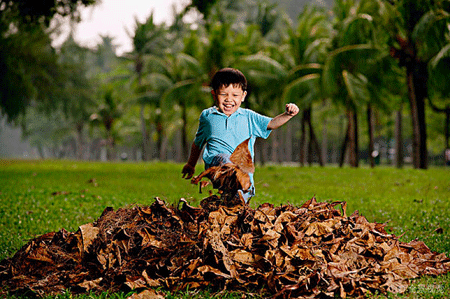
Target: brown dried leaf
89 234
91 284
149 239
319 228
146 294
309 251
40 254
208 269
230 177
245 257
242 158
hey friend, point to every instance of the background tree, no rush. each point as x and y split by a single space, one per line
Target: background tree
76 96
347 69
308 46
188 76
418 31
267 79
327 63
439 93
106 115
148 39
28 63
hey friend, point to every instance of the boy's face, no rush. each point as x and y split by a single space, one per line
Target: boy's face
229 98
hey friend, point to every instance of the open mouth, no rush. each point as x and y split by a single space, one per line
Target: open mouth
228 107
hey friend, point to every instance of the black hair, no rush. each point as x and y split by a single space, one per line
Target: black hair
228 76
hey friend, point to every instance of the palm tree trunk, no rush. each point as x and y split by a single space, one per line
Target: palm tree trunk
159 137
344 147
353 150
184 141
40 151
417 93
447 129
260 145
310 150
399 139
316 146
313 143
110 146
80 140
303 138
145 136
288 142
356 138
274 142
371 141
324 142
164 152
307 118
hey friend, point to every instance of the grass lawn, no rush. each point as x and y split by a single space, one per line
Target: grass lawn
43 196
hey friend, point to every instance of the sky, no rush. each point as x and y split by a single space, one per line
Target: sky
114 17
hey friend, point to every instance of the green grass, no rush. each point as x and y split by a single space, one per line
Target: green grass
42 196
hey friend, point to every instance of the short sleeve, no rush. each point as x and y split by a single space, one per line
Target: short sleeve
202 131
258 124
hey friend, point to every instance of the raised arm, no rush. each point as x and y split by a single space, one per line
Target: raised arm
281 119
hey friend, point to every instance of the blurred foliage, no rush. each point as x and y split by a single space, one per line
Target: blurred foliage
327 57
29 68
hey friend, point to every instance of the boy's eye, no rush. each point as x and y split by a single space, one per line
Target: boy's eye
234 95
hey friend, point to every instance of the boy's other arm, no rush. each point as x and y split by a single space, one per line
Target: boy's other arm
281 119
189 169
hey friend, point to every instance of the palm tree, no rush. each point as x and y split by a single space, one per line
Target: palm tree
105 54
154 83
308 45
148 38
76 96
418 31
188 77
109 110
387 93
344 81
350 73
439 89
29 72
266 78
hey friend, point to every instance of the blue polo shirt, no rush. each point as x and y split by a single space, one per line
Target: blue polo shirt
221 134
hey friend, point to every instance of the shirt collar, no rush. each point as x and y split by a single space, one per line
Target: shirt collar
216 111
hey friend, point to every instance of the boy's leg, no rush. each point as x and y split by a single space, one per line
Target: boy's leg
247 195
222 159
219 160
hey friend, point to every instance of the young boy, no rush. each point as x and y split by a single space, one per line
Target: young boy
224 126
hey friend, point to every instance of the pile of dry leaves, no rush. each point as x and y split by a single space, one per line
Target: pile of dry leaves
287 251
310 251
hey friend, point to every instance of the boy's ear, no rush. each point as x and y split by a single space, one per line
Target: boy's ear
214 94
244 95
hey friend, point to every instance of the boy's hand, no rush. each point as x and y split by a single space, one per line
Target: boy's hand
188 171
291 109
